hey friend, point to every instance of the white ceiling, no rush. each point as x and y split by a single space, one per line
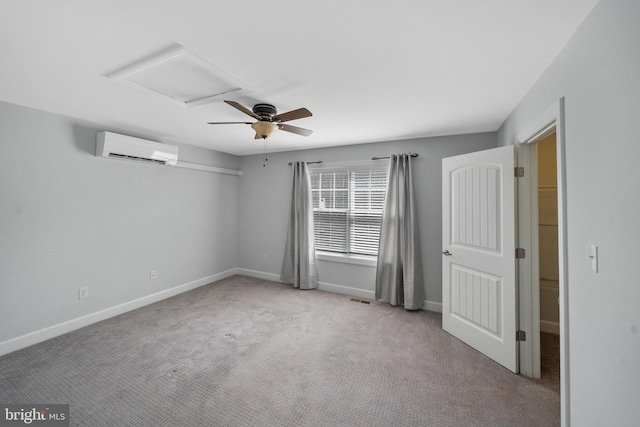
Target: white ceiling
368 70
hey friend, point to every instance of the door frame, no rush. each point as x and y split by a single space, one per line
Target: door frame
528 268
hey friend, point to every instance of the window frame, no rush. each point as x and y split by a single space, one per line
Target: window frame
347 257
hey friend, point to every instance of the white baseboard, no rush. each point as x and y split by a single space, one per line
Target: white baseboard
338 289
259 274
32 338
323 286
550 327
44 334
432 306
347 290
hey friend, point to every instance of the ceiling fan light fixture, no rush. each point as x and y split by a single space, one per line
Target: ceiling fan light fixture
264 129
268 119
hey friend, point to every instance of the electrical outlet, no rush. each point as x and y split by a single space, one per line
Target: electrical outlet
153 275
264 258
83 292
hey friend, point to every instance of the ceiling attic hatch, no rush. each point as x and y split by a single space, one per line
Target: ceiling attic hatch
181 77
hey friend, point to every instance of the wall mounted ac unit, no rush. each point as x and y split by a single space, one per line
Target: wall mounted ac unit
118 146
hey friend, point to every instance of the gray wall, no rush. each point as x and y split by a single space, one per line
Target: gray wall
598 73
69 219
264 200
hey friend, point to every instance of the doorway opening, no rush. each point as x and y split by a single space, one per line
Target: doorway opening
551 122
548 268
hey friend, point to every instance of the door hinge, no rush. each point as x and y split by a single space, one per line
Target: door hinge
520 253
519 171
521 336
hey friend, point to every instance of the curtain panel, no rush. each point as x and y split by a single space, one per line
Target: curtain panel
399 269
299 264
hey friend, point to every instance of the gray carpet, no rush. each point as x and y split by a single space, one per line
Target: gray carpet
550 359
248 352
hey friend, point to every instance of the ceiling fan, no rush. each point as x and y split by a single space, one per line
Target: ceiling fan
268 119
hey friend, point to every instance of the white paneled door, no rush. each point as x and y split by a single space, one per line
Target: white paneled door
478 258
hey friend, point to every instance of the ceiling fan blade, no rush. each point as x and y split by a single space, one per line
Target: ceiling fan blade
228 123
243 109
292 115
295 129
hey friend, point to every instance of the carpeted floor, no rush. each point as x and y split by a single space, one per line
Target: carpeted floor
248 352
550 359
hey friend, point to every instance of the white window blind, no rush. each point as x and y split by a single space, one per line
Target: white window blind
347 207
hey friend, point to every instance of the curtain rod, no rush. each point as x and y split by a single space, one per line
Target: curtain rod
379 158
309 163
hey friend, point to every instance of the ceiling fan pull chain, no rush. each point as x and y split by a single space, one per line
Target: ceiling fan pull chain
265 153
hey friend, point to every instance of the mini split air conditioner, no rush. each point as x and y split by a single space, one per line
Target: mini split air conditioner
118 146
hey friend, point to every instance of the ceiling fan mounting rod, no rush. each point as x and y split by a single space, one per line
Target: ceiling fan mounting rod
265 111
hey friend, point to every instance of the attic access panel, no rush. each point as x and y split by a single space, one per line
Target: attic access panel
181 77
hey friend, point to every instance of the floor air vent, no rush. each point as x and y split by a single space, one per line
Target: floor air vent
359 300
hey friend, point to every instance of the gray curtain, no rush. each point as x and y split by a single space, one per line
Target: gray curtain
299 264
399 270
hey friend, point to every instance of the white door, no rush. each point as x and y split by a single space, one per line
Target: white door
478 244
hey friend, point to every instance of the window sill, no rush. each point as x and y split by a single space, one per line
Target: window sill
370 261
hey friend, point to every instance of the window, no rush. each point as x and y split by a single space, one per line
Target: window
347 207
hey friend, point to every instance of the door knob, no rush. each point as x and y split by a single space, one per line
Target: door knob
447 253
